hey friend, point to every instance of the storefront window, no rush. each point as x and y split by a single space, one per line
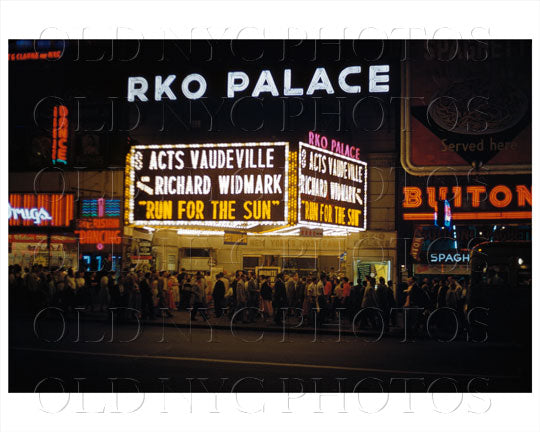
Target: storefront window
374 269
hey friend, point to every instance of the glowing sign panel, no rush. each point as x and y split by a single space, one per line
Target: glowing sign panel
35 214
100 207
194 86
332 184
228 185
499 201
449 258
60 135
54 210
99 231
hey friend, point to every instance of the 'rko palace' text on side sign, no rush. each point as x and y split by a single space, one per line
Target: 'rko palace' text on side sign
332 184
214 185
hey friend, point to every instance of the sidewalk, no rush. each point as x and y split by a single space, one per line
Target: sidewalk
182 319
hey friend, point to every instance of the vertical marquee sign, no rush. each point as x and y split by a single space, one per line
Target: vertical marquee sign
332 185
243 185
60 135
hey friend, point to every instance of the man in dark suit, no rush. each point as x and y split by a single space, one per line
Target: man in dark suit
219 295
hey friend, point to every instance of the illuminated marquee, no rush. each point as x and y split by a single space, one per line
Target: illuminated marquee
214 185
60 135
332 185
55 210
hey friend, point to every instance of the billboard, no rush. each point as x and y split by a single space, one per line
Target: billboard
467 105
332 184
243 185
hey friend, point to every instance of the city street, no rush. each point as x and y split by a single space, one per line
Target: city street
182 360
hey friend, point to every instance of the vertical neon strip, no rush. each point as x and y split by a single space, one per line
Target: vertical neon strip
54 134
101 207
70 209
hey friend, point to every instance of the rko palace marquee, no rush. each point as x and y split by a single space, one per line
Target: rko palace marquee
274 187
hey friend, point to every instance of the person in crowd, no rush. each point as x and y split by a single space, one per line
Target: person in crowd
114 291
209 288
80 283
415 301
290 288
384 297
369 302
200 275
230 300
280 300
433 291
174 291
198 298
310 300
322 288
218 295
266 298
452 295
441 294
103 296
188 291
163 294
300 293
137 279
70 287
241 297
331 274
253 297
147 301
337 303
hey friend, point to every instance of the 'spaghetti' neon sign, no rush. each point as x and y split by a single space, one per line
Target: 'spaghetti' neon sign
35 214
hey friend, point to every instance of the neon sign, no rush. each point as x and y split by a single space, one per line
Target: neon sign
449 258
55 210
35 56
100 207
60 135
99 231
34 214
471 202
318 140
194 85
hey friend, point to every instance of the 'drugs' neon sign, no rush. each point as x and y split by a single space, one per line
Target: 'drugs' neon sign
54 210
34 214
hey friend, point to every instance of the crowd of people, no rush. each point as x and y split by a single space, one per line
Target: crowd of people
243 296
